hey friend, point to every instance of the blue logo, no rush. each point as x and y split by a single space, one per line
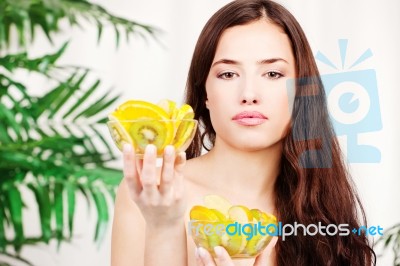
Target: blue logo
353 104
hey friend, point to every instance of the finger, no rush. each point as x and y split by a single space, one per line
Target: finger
223 256
199 262
167 171
130 171
206 257
148 176
139 165
267 257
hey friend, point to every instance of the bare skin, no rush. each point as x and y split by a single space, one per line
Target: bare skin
249 73
128 246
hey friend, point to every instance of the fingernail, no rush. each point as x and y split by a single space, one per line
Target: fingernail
196 253
218 251
169 150
202 252
151 149
182 156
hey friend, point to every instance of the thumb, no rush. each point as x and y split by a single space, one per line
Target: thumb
205 257
223 256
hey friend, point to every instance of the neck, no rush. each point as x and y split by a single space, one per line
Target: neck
251 174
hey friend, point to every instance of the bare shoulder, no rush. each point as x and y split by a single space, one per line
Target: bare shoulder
128 230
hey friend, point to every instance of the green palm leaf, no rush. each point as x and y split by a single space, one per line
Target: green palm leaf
51 145
26 15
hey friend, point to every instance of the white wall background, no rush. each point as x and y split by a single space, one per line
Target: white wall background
151 72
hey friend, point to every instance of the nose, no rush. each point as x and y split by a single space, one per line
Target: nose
249 95
249 101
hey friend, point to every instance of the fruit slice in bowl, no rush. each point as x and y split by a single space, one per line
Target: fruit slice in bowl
118 132
136 109
201 217
259 241
151 131
239 237
141 123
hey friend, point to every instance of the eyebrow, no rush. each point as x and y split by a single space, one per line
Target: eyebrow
261 62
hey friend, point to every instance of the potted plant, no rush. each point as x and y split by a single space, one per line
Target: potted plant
46 149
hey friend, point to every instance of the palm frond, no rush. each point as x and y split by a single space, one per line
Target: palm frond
26 15
42 65
51 145
61 159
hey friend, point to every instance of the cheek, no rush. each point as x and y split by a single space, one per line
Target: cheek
281 108
217 95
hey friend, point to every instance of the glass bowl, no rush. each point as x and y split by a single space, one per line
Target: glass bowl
241 240
160 132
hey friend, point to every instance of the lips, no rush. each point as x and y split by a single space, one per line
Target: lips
250 118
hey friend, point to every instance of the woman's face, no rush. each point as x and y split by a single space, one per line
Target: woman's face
247 92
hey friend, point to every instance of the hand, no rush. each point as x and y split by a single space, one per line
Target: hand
163 203
204 258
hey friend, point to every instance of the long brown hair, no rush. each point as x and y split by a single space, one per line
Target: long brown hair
314 185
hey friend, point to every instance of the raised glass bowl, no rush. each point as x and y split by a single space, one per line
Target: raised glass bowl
209 234
160 132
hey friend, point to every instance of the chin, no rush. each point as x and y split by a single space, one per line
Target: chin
254 145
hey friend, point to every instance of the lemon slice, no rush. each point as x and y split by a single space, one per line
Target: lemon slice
183 127
185 112
184 132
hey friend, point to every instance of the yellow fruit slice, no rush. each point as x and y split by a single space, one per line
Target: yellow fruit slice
150 124
259 216
235 243
257 243
198 234
169 107
118 132
270 218
220 215
240 214
203 214
184 133
134 109
185 112
217 202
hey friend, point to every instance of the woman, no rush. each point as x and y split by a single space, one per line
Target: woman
264 150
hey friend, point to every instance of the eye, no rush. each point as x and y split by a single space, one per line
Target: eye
274 75
227 75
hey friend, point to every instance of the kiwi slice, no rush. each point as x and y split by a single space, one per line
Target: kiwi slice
144 132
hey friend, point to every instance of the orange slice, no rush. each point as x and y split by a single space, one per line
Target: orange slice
134 109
